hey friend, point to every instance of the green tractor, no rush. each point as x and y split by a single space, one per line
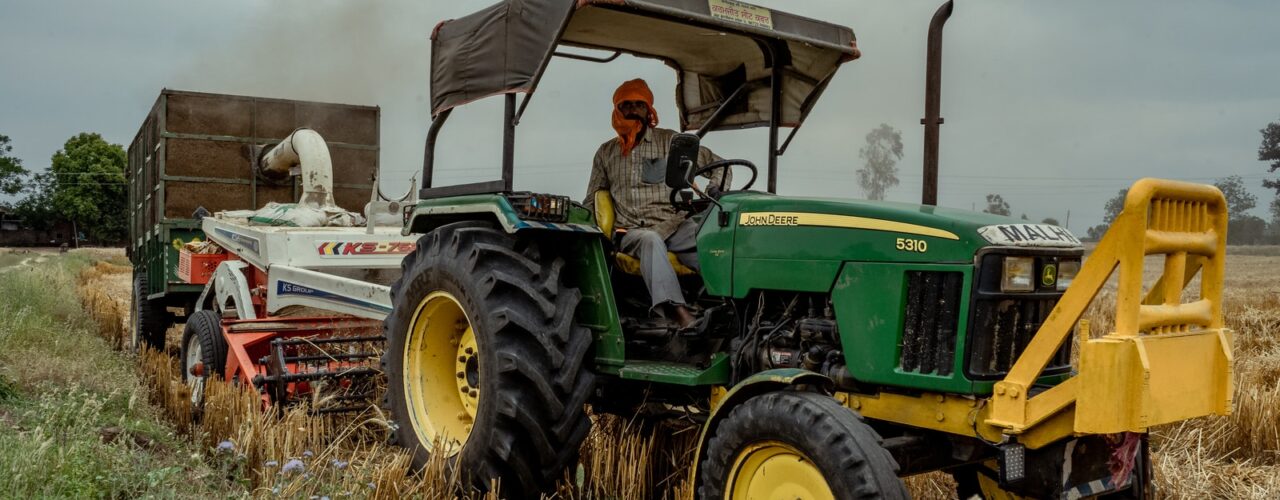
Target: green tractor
846 344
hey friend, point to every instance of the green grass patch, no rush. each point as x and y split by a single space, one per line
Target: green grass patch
74 419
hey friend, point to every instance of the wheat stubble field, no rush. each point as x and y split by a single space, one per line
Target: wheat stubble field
236 450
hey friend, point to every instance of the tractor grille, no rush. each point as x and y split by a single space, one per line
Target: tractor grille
1001 324
1001 330
930 321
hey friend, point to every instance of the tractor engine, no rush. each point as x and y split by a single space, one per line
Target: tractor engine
796 337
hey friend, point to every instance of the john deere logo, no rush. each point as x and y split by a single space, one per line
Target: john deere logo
1050 275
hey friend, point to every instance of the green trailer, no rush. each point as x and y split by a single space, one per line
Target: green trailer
198 150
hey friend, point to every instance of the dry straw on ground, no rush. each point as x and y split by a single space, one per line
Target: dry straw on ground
1220 457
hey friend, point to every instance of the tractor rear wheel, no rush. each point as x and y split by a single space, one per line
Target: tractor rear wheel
796 445
150 320
204 352
484 361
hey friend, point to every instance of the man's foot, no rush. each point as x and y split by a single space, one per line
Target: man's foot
684 318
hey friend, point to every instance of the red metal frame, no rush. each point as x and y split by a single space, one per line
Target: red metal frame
249 342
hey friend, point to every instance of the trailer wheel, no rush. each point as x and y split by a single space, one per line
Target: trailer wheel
796 445
204 352
485 361
150 320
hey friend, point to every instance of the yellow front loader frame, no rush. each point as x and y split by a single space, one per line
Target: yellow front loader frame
1166 360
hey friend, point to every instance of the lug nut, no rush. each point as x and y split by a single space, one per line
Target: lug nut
462 375
469 351
465 389
475 393
462 359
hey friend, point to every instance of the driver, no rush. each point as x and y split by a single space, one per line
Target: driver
632 167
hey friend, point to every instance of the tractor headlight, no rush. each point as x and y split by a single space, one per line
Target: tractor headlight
1067 270
1019 274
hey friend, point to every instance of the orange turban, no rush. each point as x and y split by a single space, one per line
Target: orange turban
633 90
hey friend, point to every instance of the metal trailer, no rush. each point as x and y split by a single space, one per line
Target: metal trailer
196 150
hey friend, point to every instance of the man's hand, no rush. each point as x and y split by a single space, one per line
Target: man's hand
713 191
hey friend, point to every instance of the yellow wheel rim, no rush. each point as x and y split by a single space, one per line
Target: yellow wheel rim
771 470
442 373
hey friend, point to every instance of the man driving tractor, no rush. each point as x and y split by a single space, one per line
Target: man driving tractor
631 168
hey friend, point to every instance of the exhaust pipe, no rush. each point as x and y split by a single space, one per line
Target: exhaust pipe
932 96
303 153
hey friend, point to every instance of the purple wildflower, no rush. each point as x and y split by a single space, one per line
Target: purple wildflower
226 447
339 464
293 465
308 454
271 463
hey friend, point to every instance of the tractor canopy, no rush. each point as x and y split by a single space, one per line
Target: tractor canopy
715 46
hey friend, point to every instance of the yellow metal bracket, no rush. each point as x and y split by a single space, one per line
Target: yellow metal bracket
1166 360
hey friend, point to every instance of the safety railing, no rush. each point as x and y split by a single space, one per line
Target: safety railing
1165 360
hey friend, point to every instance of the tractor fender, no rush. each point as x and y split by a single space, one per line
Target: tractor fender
491 208
755 385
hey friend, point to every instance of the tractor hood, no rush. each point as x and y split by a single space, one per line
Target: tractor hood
869 230
758 241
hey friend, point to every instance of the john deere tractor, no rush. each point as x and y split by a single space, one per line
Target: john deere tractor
846 344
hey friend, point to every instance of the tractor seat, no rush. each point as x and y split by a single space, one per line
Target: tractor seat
626 263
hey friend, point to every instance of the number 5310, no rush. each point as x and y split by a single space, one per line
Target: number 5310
910 245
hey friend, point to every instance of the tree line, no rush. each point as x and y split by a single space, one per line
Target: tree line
84 185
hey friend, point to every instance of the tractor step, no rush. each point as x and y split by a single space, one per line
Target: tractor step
715 373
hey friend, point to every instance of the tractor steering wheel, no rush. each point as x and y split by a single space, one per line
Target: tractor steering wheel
724 164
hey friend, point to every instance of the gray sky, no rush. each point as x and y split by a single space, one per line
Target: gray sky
1054 105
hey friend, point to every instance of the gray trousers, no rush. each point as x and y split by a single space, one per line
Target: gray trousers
651 250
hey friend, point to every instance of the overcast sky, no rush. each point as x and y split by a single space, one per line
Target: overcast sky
1054 105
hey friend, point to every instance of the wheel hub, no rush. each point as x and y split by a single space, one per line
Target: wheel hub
772 469
442 373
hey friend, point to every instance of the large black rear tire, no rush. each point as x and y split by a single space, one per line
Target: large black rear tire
150 319
501 311
787 432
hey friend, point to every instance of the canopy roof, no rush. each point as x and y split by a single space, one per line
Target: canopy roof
714 45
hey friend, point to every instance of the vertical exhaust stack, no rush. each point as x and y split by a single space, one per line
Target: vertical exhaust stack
932 98
306 154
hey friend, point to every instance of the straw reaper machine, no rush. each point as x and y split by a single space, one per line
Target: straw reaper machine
294 293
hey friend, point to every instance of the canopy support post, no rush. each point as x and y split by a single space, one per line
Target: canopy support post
509 142
429 151
775 116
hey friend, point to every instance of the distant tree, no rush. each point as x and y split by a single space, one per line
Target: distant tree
1246 230
1270 151
1050 221
36 208
11 170
882 152
1242 228
1110 211
1113 207
1239 199
996 205
87 186
1273 228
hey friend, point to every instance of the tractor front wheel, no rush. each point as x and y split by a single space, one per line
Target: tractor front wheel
796 445
484 361
204 352
150 320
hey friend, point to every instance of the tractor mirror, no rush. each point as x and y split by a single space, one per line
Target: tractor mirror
682 158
